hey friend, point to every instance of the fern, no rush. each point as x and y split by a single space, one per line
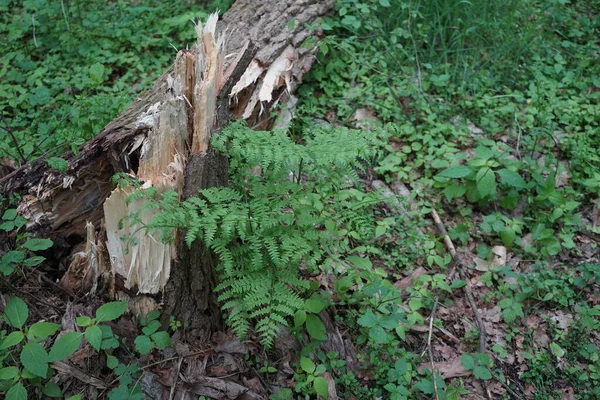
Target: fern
300 212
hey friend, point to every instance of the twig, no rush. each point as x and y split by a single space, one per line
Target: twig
468 292
177 357
15 141
172 393
433 369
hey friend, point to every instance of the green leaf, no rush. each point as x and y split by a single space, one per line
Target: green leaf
35 359
482 373
12 257
320 384
75 397
467 361
37 244
9 214
143 344
17 392
307 365
161 339
57 163
378 335
52 390
483 152
415 304
8 373
511 178
83 321
93 334
110 311
314 306
486 182
12 339
65 346
43 330
299 318
380 230
558 351
152 327
384 3
315 327
360 262
34 261
458 171
508 236
16 312
96 72
111 361
368 319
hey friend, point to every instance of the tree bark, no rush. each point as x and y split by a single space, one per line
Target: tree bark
254 82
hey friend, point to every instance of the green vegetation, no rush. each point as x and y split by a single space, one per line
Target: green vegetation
488 111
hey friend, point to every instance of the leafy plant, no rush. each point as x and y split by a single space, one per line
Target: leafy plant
266 226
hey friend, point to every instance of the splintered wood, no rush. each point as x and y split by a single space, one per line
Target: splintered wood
174 125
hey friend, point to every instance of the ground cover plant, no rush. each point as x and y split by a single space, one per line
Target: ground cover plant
485 114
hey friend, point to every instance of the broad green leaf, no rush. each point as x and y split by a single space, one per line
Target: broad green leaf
558 351
143 344
17 392
110 311
34 261
482 373
9 214
415 304
307 365
360 262
314 306
75 397
320 384
483 152
467 361
458 171
52 390
299 318
65 346
111 361
315 327
508 236
368 319
511 178
380 230
96 72
35 359
16 312
83 321
43 330
384 3
12 339
13 256
37 244
486 182
378 335
7 373
93 334
152 327
161 339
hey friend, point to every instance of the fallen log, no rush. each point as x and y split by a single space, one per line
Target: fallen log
243 68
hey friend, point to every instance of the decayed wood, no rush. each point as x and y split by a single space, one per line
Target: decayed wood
263 63
60 204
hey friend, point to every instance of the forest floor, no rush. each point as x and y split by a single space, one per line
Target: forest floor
480 261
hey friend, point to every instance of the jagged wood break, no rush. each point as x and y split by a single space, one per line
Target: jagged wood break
262 64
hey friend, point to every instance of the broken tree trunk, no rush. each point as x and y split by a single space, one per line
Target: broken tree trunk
162 139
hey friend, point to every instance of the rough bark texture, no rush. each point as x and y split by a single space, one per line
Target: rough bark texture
59 205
